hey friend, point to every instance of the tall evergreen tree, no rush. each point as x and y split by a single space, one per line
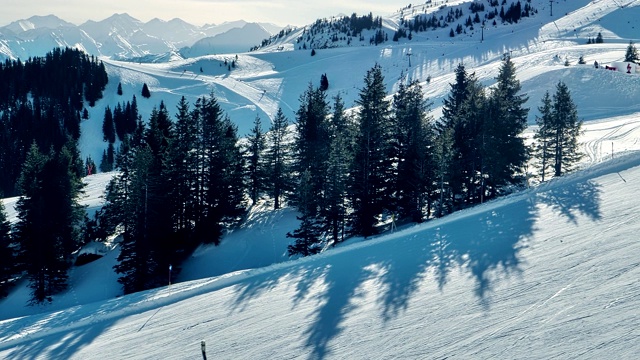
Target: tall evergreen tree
413 148
312 143
544 136
49 217
504 151
462 123
566 129
308 233
334 212
137 261
108 127
256 145
278 160
369 188
631 54
180 173
8 261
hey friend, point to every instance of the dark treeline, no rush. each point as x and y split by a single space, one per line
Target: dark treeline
505 12
184 181
41 101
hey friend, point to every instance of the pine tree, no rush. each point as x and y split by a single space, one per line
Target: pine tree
462 121
119 91
504 150
256 144
145 91
308 233
108 127
369 189
181 174
312 144
632 53
137 261
49 217
334 211
278 160
599 39
413 148
566 129
544 136
8 261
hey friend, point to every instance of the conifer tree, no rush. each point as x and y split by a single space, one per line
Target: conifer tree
369 189
137 262
566 128
256 144
49 217
312 145
631 54
413 150
504 151
334 212
8 263
145 91
277 159
181 173
544 136
108 127
308 233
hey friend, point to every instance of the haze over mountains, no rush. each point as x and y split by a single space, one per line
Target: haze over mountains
123 37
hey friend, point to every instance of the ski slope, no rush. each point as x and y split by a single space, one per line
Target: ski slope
550 272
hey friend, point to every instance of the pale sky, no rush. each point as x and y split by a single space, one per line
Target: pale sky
197 12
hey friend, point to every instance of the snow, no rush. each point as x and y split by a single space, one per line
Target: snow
549 272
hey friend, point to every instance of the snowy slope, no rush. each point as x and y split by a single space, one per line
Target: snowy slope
552 272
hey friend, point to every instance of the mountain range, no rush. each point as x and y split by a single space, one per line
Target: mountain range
121 36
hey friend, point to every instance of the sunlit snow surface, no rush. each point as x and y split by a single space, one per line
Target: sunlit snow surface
551 272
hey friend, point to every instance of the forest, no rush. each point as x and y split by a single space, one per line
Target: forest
182 180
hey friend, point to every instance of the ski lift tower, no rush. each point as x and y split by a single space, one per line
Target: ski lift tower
409 56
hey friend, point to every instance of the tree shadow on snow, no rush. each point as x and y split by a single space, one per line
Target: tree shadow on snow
484 243
577 198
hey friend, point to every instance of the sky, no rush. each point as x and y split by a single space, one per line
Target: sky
197 12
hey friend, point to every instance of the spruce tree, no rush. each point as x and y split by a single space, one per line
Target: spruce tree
312 145
278 160
180 173
631 54
413 150
137 261
370 170
256 144
308 233
145 91
8 261
334 211
49 217
504 150
108 127
566 128
544 137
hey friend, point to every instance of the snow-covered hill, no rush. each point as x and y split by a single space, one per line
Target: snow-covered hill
551 272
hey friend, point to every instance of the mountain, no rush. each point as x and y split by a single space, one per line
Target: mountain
548 272
37 22
120 36
232 41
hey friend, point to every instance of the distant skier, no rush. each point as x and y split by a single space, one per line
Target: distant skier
595 63
628 68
